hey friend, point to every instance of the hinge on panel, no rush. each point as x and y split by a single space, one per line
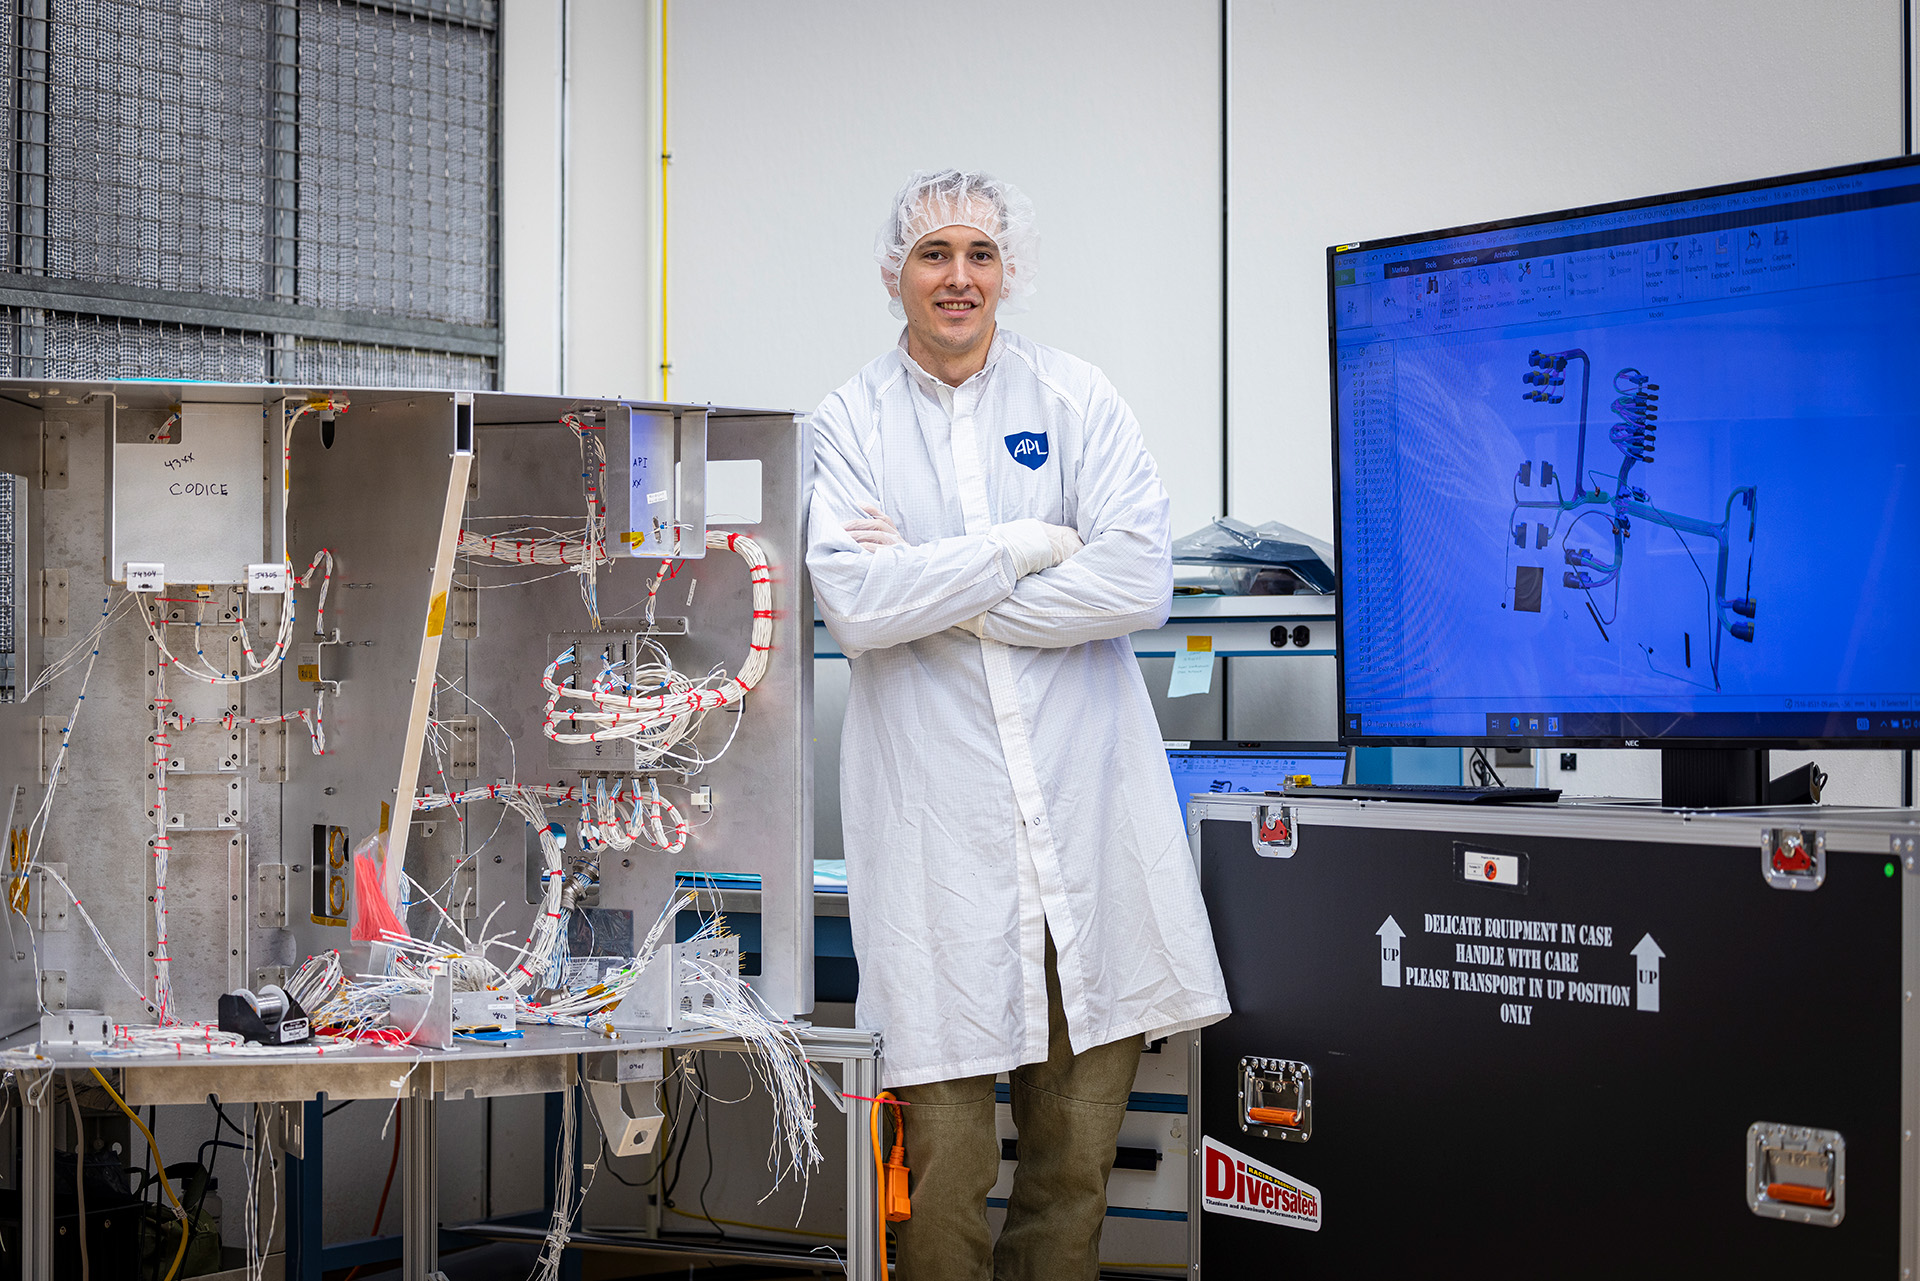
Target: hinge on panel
1791 859
1275 831
53 455
50 605
270 907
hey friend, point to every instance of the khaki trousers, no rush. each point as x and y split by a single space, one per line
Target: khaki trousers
1068 1112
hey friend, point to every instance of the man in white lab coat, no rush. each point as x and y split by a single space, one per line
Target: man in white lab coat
985 529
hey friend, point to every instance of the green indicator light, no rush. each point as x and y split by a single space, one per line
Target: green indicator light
1889 869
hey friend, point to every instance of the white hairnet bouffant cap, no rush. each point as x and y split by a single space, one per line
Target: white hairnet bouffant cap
951 198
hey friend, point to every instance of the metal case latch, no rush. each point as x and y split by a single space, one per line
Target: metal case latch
1791 859
1276 1099
1796 1173
1275 832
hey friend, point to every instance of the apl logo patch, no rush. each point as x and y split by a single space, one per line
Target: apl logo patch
1029 448
1238 1185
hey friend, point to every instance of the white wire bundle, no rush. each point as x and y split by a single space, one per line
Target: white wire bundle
257 668
559 549
559 1230
775 1054
669 713
178 1040
601 998
314 718
259 1147
583 550
602 821
162 853
37 825
317 979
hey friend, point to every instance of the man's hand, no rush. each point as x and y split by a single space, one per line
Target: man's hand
1036 545
1065 541
874 534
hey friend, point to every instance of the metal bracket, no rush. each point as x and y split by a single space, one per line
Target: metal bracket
606 1082
50 727
463 745
463 602
1905 847
465 895
1791 859
53 993
50 603
833 1092
1276 833
270 907
425 1017
53 906
223 605
1276 1099
291 1124
270 751
53 455
1796 1173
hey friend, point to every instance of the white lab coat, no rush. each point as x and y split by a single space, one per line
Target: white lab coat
997 786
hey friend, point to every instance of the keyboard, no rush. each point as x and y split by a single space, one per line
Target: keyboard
1444 793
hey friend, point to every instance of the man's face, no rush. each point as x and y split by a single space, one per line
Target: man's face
950 288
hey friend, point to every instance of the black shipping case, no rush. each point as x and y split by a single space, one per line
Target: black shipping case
1583 1040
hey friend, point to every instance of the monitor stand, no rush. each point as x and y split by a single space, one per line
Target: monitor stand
1712 777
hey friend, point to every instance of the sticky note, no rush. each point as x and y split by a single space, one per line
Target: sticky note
1192 668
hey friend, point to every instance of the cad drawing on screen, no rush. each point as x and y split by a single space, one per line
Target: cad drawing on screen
1605 505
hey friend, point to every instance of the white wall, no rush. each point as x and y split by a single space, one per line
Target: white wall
1381 117
791 125
575 252
530 94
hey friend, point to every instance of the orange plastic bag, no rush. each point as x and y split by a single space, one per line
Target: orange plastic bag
375 918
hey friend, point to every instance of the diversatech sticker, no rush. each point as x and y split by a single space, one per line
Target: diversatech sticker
1237 1184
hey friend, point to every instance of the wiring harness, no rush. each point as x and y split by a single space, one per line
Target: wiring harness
652 705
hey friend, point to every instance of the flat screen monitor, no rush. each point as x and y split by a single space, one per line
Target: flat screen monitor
1199 768
1646 472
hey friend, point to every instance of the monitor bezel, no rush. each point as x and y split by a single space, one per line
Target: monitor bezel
1538 741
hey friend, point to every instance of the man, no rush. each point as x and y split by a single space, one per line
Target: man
986 528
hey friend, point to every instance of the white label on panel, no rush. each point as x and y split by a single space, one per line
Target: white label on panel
267 579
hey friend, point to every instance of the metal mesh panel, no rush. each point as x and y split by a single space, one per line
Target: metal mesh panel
395 164
334 364
102 347
332 154
157 163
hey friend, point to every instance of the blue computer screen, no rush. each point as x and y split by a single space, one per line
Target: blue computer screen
1650 472
1260 770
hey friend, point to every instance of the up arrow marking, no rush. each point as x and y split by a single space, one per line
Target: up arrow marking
1390 935
1646 974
